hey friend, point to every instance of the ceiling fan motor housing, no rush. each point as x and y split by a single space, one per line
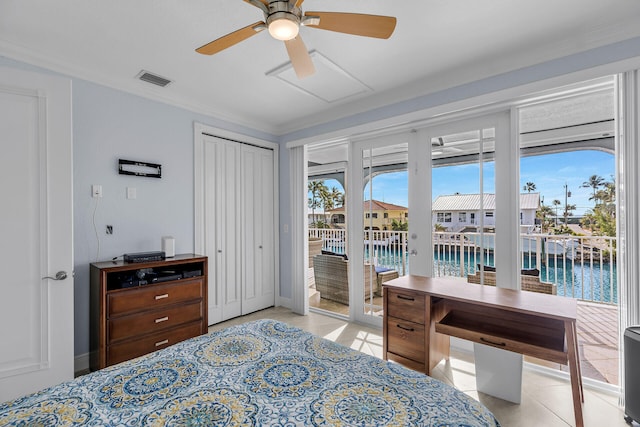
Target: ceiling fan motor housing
283 20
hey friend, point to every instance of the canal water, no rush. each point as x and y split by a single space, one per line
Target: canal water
583 280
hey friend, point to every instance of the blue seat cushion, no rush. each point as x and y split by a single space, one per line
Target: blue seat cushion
382 269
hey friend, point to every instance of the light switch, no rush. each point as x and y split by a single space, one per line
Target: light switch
131 193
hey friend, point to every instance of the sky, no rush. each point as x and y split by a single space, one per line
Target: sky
549 172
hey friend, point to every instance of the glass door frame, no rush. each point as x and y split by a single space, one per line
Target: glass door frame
355 219
507 188
420 200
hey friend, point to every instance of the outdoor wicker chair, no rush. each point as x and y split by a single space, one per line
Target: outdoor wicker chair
528 282
331 273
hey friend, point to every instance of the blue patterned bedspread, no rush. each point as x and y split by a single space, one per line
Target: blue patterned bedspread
264 373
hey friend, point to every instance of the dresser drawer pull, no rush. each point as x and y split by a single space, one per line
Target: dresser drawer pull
405 328
162 319
500 344
406 298
162 296
159 343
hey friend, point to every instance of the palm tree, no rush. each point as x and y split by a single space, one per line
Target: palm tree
529 187
318 193
556 203
337 197
595 182
543 215
567 212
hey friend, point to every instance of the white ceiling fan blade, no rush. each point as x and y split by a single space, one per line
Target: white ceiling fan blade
300 59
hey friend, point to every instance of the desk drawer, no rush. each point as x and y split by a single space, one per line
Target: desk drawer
152 296
152 321
137 347
406 305
406 339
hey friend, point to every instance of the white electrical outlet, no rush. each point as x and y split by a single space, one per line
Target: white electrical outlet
96 190
131 193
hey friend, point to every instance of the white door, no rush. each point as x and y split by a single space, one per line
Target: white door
370 160
222 228
257 192
238 226
36 232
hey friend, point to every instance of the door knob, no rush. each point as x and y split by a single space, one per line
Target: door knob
60 275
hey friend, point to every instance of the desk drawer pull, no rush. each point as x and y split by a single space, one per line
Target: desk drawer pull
405 328
159 343
162 296
162 319
500 344
406 298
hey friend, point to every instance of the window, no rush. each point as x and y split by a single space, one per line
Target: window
472 216
374 215
462 217
386 215
444 216
488 214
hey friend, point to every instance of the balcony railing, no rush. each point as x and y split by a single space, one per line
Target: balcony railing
582 267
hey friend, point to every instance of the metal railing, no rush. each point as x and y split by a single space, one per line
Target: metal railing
582 267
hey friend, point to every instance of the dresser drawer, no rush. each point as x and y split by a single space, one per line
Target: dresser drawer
152 321
406 339
406 305
152 296
137 347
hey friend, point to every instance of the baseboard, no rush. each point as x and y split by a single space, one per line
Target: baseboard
284 302
81 364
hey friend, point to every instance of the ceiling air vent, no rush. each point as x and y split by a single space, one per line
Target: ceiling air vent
155 79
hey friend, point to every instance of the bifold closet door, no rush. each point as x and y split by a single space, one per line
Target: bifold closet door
257 225
222 228
239 228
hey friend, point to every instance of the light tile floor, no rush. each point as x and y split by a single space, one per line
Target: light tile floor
546 401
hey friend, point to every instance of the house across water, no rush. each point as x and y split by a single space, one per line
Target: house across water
461 212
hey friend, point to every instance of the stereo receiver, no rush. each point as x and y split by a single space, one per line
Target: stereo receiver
144 257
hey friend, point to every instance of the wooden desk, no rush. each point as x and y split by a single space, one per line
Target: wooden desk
421 313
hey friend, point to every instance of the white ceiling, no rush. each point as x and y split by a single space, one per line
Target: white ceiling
436 44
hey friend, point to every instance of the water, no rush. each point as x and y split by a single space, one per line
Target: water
585 281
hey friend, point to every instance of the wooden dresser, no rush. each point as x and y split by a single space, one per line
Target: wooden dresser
137 308
421 313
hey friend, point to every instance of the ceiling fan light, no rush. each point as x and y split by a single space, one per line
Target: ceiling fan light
283 29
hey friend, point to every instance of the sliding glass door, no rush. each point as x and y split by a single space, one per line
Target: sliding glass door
379 213
394 225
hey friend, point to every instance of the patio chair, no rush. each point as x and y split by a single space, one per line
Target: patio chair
331 273
529 280
384 275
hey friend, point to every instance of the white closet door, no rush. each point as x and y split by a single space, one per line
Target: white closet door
257 192
222 228
239 232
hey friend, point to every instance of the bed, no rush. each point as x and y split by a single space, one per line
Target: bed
262 372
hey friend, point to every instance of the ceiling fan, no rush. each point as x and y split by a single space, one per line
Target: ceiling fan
283 19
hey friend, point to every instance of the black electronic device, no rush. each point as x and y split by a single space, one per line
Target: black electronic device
191 273
144 256
632 374
166 278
